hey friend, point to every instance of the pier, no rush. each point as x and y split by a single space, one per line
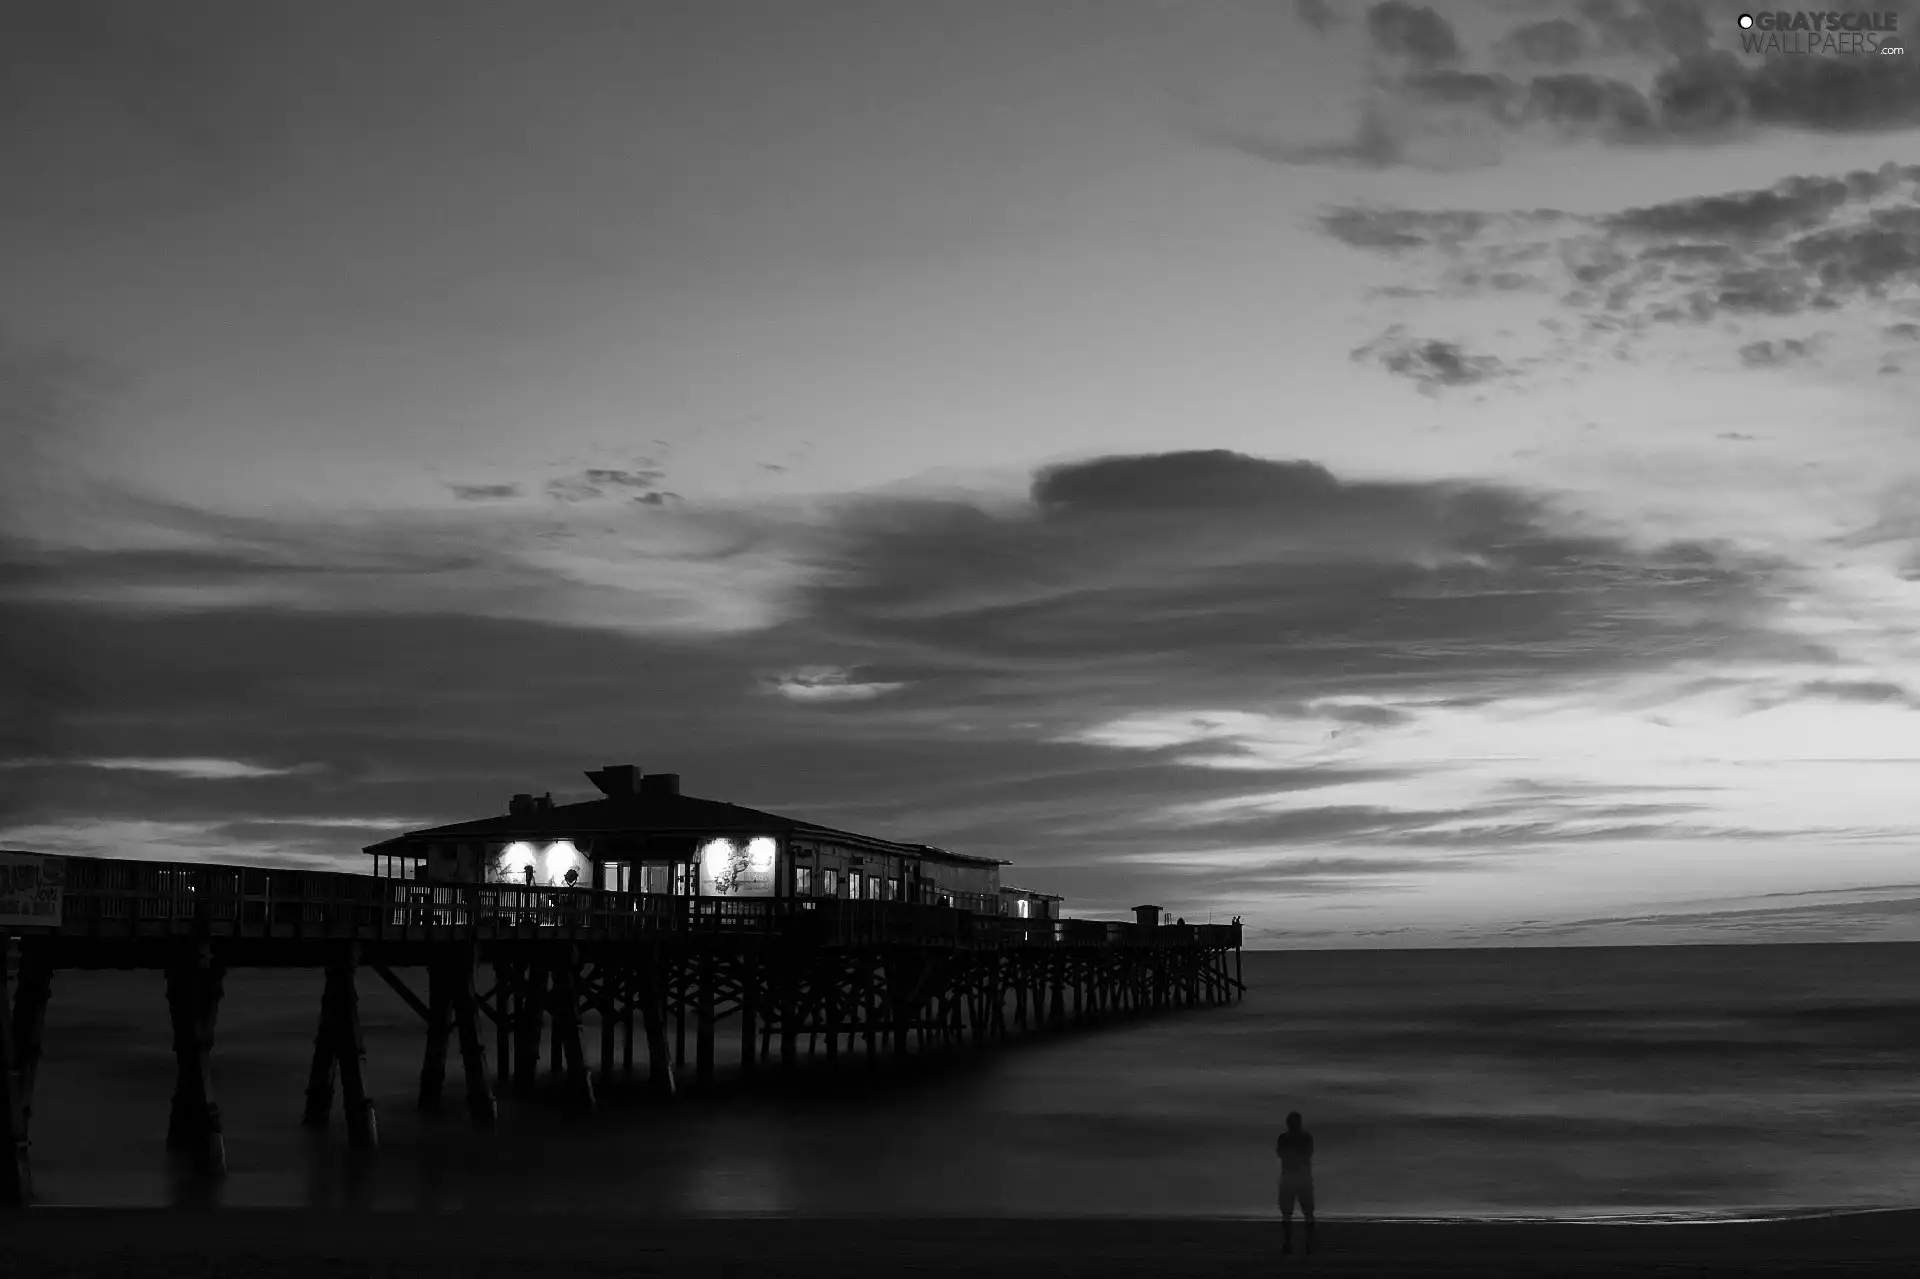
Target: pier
515 971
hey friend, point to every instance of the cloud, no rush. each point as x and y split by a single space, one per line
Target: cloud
484 492
1766 354
828 684
1413 32
1317 14
596 482
1805 246
1555 40
1431 364
1590 106
1685 79
1710 92
1648 28
1009 634
195 769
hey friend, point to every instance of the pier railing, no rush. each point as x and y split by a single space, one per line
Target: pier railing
108 897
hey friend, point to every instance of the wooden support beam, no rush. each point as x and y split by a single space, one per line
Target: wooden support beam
530 1014
438 1014
653 1020
607 1025
413 1001
749 975
24 992
703 1046
195 981
572 1065
628 991
789 1015
350 1048
503 1016
481 1106
677 989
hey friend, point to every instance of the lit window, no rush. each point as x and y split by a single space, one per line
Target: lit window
830 881
873 888
802 881
760 851
1021 908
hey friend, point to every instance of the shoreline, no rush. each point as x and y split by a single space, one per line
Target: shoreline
303 1244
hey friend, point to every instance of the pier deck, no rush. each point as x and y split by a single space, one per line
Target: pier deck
879 979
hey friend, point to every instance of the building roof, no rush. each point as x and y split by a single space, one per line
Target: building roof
660 814
1028 892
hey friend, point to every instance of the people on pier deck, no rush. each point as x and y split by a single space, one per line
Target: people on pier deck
1295 1149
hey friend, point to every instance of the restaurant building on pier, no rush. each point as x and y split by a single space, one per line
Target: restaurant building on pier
644 836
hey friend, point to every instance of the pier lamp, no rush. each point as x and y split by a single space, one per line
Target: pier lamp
717 855
560 856
515 857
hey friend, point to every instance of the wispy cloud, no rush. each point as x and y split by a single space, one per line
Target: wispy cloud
828 684
196 769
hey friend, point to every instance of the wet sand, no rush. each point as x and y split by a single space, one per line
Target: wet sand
137 1244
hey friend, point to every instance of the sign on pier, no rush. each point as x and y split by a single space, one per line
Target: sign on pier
30 890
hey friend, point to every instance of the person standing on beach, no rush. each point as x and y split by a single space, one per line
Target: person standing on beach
1295 1148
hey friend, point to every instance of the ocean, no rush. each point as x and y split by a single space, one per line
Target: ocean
1686 1081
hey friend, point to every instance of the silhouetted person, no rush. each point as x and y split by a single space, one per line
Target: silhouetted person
1295 1148
573 876
529 870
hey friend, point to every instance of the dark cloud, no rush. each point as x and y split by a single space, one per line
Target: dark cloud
1128 586
1868 691
1376 142
1414 32
484 492
1430 364
1368 228
1557 41
1497 95
1765 354
1805 245
1694 90
1651 27
1317 14
1584 103
597 482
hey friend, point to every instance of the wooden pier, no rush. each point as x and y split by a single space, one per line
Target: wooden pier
847 979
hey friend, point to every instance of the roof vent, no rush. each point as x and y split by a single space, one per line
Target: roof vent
660 784
544 804
520 806
1149 915
617 780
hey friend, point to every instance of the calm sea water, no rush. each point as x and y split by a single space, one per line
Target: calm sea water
1481 1083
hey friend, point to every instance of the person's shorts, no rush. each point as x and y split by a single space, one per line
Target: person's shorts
1296 1192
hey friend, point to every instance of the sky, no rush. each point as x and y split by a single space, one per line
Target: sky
1404 476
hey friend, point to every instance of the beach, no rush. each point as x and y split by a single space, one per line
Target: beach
138 1244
